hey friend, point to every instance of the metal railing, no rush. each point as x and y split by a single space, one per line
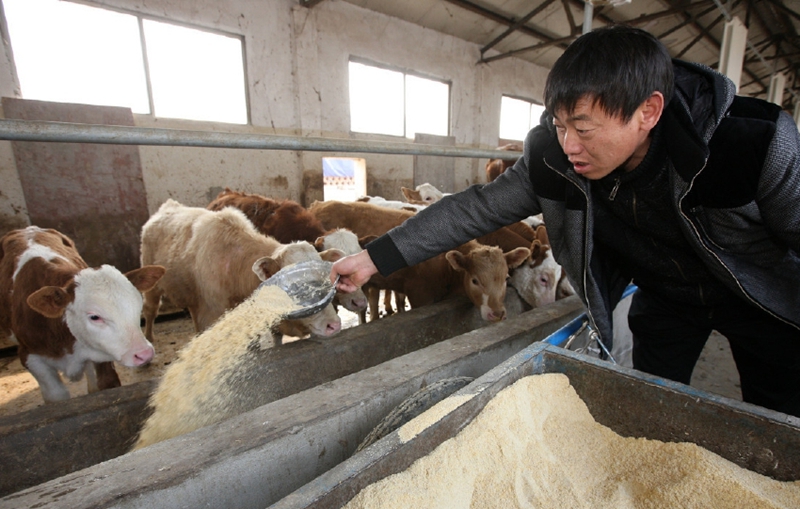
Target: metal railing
36 130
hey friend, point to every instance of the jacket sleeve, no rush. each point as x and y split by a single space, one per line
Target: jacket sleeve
456 219
779 184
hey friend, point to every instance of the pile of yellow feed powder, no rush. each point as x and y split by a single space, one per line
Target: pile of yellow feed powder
193 392
536 445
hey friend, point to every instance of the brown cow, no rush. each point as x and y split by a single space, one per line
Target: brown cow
67 317
473 269
215 260
288 221
284 220
363 219
494 167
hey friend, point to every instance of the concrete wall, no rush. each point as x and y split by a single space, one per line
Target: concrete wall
296 68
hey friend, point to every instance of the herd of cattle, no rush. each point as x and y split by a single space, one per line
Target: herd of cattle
71 319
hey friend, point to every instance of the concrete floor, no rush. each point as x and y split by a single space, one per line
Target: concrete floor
715 371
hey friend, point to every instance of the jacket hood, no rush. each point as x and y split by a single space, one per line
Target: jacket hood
704 96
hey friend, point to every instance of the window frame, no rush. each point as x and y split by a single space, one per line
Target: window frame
140 17
405 72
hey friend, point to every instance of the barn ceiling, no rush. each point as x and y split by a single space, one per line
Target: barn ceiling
539 30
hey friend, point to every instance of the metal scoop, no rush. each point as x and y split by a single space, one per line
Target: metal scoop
308 284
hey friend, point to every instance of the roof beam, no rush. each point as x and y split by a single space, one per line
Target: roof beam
486 13
564 41
704 32
516 25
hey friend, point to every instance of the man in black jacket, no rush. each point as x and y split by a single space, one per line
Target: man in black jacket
650 170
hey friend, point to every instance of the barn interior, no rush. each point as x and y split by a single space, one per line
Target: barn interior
96 165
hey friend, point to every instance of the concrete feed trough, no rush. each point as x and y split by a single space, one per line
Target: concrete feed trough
754 438
328 396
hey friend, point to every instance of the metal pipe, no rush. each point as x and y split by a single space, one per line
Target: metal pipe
35 130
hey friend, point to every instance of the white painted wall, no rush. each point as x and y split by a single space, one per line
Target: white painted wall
296 66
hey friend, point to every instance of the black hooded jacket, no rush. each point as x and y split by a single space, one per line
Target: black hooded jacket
733 168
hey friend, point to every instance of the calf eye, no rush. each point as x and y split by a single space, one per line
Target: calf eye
95 318
475 281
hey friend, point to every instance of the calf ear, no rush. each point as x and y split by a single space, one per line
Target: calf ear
319 244
516 257
537 250
456 260
266 267
412 196
331 255
145 278
51 301
541 234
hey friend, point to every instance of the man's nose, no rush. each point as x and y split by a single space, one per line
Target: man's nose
570 144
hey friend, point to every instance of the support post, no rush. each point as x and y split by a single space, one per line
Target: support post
734 43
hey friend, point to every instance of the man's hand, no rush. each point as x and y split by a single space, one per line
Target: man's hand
355 271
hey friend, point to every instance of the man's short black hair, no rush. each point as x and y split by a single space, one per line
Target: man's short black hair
618 66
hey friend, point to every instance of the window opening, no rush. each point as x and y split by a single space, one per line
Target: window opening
385 101
70 52
517 117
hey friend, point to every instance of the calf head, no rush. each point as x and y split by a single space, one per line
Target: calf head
424 194
347 242
537 279
485 270
324 323
102 309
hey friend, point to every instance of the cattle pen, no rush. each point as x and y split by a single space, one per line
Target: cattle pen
297 449
163 161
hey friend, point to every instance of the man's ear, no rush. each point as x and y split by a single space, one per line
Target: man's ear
651 110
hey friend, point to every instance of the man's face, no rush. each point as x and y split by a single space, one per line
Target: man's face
596 143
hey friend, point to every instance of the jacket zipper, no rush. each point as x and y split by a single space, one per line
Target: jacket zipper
613 193
585 247
714 255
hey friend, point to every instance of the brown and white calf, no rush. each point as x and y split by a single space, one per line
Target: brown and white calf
540 279
423 194
345 241
366 220
215 260
67 317
391 204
